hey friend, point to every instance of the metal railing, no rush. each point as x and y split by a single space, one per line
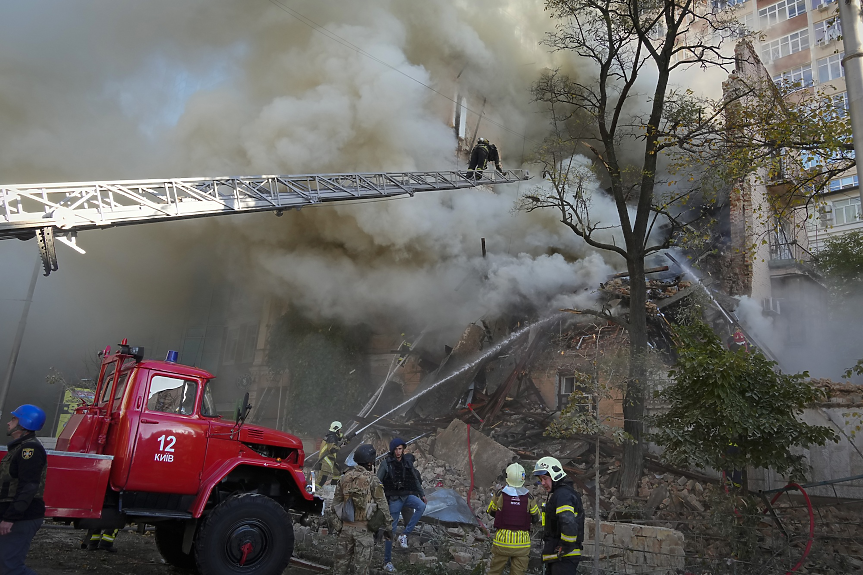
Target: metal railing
89 205
59 211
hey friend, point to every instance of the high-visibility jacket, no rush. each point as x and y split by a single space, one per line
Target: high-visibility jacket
513 509
327 456
564 523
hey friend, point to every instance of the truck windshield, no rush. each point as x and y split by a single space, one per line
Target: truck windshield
208 406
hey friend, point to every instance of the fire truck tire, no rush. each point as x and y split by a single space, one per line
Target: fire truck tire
169 542
248 533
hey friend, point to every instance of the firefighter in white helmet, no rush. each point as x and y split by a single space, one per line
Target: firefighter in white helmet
327 456
563 519
513 509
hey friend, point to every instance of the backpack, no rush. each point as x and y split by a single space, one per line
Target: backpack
358 504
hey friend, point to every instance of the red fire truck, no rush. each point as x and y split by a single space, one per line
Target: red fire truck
152 449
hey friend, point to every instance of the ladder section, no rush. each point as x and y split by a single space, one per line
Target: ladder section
67 208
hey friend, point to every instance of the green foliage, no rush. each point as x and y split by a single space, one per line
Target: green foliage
720 398
855 419
841 262
579 416
328 375
735 519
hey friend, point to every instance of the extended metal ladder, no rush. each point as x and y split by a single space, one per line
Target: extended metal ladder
61 210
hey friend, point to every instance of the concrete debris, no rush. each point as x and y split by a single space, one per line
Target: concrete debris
489 458
510 401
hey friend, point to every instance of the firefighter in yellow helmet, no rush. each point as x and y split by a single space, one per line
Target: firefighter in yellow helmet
563 519
513 509
327 457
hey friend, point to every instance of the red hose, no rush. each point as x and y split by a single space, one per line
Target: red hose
811 522
470 489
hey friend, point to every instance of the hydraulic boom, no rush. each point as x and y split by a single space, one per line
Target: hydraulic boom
49 211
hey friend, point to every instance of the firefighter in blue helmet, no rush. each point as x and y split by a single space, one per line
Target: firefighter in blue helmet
483 152
563 519
22 485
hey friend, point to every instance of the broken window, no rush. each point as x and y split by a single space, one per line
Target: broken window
574 387
783 244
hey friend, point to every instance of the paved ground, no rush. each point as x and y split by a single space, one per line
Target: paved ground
57 550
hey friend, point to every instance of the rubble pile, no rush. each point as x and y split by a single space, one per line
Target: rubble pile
616 292
507 402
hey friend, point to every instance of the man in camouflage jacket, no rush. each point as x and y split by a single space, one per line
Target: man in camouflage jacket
362 492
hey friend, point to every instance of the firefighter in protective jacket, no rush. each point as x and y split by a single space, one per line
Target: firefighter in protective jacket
480 155
327 456
563 519
513 509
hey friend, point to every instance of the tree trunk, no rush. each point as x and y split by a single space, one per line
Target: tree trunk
633 401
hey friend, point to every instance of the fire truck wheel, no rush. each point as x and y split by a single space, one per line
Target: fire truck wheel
248 533
169 542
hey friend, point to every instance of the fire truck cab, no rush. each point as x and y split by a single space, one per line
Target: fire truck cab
152 449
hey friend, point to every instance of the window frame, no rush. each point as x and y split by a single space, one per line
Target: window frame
184 381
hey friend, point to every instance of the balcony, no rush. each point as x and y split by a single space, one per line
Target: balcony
791 259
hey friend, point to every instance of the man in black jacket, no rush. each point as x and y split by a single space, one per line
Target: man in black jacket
563 519
404 488
22 485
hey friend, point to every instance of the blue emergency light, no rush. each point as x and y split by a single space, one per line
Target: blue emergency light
172 356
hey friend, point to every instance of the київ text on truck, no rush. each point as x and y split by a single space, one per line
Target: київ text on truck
152 449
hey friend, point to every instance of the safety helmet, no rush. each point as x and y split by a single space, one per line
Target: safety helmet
482 141
515 475
365 454
739 337
549 466
335 426
30 417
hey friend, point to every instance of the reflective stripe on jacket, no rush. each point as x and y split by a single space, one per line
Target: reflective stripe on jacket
512 539
564 523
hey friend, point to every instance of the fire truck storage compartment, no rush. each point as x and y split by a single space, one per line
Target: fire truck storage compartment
76 483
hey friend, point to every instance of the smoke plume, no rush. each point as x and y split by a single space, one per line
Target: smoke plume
211 87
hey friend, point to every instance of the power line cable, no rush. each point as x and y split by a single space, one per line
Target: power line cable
348 44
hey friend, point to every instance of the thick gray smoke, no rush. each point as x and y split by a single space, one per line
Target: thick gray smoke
93 90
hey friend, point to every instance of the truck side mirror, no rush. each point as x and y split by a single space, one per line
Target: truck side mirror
243 412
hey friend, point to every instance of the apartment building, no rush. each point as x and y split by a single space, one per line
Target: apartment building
802 42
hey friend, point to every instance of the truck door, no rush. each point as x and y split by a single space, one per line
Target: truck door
171 440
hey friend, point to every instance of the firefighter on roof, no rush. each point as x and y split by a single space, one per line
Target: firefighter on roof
327 456
513 509
482 152
563 519
22 484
